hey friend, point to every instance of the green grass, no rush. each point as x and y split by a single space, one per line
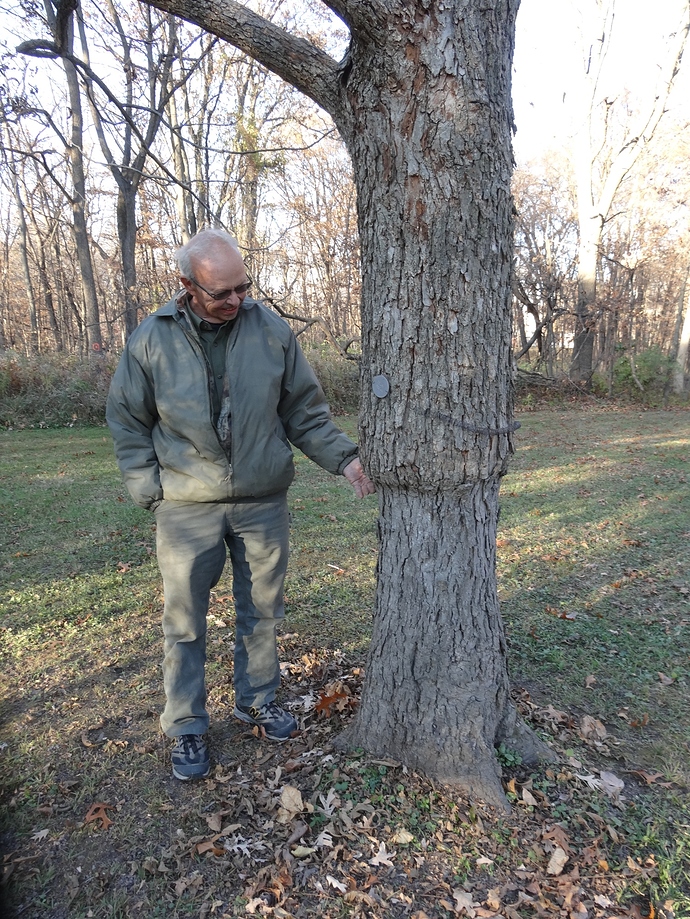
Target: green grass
593 578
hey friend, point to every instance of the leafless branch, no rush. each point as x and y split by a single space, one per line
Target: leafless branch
294 59
310 321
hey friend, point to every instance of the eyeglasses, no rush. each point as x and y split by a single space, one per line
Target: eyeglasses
240 290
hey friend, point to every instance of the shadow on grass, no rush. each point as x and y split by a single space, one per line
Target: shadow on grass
594 585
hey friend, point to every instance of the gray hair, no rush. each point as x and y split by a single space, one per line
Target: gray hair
199 244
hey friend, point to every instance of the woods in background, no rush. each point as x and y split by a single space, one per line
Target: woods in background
124 131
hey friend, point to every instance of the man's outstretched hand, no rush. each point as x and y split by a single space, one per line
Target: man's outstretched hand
358 478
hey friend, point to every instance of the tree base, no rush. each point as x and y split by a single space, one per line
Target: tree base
479 779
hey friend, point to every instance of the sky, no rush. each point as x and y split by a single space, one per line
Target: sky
547 61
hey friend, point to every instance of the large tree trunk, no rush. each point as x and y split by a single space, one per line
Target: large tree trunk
437 691
429 131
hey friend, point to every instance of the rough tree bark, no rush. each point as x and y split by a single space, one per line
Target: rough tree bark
422 101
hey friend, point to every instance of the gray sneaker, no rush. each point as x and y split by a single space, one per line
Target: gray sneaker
277 723
190 759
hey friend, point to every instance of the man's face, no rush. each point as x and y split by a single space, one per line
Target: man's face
221 271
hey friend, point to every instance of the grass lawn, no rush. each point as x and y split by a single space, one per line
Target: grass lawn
594 561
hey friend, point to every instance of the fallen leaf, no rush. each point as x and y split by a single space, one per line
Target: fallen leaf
557 834
98 812
561 614
591 780
302 851
493 898
612 785
590 681
291 800
334 882
591 728
98 743
215 822
528 798
209 846
39 835
402 838
327 703
464 902
382 857
651 777
324 840
665 680
557 862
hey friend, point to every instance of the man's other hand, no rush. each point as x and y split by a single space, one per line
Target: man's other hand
358 478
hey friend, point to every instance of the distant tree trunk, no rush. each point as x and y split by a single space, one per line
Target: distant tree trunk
47 288
63 31
585 318
184 206
683 340
26 269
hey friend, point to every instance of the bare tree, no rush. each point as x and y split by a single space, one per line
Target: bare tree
603 158
422 101
60 21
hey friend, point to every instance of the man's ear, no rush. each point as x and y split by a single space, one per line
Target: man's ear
187 284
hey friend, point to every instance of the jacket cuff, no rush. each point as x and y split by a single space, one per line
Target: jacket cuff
347 461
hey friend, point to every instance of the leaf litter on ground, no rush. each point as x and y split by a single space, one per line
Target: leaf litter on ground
229 845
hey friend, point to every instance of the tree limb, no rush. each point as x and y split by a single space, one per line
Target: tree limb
294 59
544 322
626 157
309 321
362 17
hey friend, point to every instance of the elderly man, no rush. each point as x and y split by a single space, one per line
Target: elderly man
208 395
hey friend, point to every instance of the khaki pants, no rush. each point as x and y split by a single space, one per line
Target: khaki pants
191 543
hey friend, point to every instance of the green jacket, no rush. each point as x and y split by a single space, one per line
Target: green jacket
160 412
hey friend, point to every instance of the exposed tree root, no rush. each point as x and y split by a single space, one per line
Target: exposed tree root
478 776
479 779
518 737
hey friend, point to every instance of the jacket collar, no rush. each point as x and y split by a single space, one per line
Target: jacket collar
172 307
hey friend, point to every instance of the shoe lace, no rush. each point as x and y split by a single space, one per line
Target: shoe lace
190 744
270 711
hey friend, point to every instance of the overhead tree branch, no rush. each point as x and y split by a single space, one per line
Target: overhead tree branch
362 17
294 59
